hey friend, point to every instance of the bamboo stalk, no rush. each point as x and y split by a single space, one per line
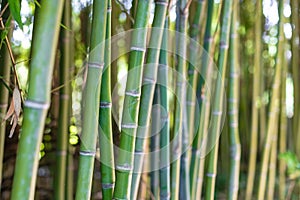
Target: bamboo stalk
63 118
179 170
91 101
235 145
296 74
4 92
196 29
255 98
46 27
124 166
283 134
217 108
105 123
274 107
149 79
199 143
164 172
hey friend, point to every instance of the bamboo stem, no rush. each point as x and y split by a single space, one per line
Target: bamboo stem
125 161
149 79
274 107
235 145
63 118
255 98
91 101
46 27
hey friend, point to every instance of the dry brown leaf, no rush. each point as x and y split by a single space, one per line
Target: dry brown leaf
14 110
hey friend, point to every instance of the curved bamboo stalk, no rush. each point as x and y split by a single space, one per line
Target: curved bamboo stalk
217 107
235 145
105 124
255 95
164 172
91 101
149 79
46 28
63 118
129 124
274 107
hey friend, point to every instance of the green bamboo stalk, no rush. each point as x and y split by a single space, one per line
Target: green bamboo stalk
91 101
154 146
179 170
46 28
296 74
63 118
129 124
217 108
105 123
235 145
272 166
199 143
273 116
149 79
69 194
255 98
283 134
164 172
196 29
4 92
182 24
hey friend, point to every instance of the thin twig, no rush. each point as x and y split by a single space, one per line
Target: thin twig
123 9
3 10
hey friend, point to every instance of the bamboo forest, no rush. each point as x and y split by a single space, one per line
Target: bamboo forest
149 99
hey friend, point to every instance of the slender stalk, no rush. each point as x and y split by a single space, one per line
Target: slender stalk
217 108
164 172
235 145
283 134
184 186
296 74
179 174
4 92
46 28
63 118
130 113
273 115
154 145
255 96
199 143
195 31
149 80
105 124
91 101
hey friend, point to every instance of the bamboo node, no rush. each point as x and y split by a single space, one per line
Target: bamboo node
105 104
64 96
96 65
125 167
36 105
211 175
134 93
234 125
149 80
87 153
108 185
162 3
191 72
223 45
130 125
234 75
165 196
109 9
61 152
3 105
191 103
133 48
217 112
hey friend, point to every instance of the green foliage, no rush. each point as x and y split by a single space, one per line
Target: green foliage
293 164
15 9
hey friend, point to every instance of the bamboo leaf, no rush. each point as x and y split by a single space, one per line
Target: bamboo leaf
15 9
